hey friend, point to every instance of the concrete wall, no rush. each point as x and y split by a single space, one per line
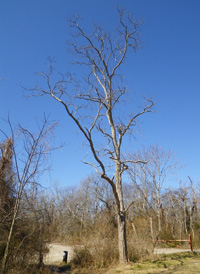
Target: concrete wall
170 250
56 253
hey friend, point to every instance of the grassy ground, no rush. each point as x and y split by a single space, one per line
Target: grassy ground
184 263
181 263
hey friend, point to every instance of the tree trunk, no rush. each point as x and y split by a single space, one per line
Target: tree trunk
4 260
122 244
159 221
121 216
151 228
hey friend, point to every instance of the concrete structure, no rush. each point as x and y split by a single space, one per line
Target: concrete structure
56 253
171 250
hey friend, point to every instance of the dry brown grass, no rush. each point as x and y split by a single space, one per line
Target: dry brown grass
180 264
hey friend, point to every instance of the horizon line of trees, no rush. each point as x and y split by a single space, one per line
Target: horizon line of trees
85 214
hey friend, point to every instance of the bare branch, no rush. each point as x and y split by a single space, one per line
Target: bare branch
94 104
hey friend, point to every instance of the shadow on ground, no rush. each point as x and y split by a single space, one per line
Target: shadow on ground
65 269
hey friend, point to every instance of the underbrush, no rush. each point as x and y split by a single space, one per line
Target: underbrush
97 258
155 264
100 245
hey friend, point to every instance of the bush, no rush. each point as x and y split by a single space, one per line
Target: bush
82 258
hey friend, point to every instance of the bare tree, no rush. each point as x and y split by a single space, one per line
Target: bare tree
95 106
140 181
149 179
27 164
161 167
193 205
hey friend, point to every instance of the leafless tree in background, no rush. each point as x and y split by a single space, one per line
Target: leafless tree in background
28 164
149 179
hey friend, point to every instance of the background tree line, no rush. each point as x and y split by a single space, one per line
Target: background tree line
85 214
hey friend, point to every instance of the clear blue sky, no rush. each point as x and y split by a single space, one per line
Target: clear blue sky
166 68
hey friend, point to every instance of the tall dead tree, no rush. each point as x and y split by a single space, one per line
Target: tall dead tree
94 105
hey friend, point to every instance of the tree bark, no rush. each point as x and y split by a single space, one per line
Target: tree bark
159 221
122 243
151 228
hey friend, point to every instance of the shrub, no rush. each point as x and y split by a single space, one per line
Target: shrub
82 257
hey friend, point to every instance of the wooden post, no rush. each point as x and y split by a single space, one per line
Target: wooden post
190 239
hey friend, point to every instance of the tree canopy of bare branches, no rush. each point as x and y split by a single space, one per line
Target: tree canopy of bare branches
95 105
